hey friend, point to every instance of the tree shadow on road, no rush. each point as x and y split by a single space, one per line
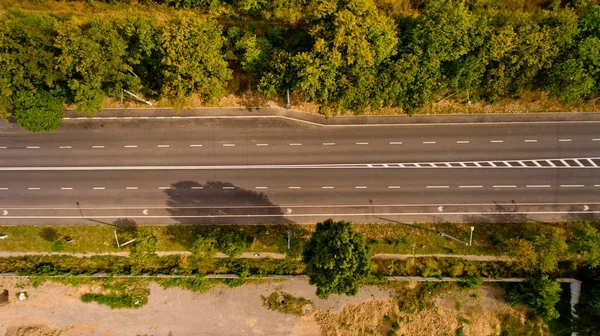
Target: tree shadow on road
218 202
215 202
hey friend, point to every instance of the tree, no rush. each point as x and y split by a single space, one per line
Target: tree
144 247
540 293
586 243
203 250
351 42
192 59
233 243
336 258
541 252
92 59
38 111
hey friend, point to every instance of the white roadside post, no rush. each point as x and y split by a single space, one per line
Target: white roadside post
117 239
471 238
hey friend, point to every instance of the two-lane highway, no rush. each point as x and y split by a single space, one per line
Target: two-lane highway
271 170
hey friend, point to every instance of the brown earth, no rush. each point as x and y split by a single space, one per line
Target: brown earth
55 310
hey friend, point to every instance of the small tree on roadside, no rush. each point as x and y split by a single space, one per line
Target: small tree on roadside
336 258
144 248
233 243
540 293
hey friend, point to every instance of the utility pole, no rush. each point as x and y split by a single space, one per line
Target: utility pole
288 105
122 98
471 238
117 239
289 233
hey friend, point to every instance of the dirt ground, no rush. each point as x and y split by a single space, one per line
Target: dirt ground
55 310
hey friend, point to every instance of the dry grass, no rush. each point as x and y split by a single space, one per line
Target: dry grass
481 312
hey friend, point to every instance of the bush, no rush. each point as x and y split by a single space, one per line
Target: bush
471 282
38 112
233 243
541 294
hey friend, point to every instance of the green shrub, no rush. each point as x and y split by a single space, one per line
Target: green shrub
233 243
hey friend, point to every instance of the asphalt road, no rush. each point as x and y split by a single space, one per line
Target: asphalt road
280 171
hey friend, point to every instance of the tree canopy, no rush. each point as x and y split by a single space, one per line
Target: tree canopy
336 258
38 111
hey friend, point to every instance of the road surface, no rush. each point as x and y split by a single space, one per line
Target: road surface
280 171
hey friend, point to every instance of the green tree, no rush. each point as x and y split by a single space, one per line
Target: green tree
569 81
233 243
192 59
27 53
38 111
352 39
541 294
586 243
143 249
92 58
336 258
203 250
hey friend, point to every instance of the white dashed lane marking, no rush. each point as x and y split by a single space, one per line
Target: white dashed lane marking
328 143
497 141
196 188
98 147
131 188
360 187
33 147
539 186
195 145
164 188
262 145
261 188
393 187
228 145
99 188
362 143
327 187
295 144
228 187
33 188
65 147
462 142
572 185
438 187
564 140
66 188
505 186
471 186
395 142
163 146
531 140
130 146
428 142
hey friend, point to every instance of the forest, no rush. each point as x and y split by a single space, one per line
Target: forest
346 56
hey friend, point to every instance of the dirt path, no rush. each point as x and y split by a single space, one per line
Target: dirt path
270 255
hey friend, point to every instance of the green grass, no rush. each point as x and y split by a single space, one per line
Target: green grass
396 238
